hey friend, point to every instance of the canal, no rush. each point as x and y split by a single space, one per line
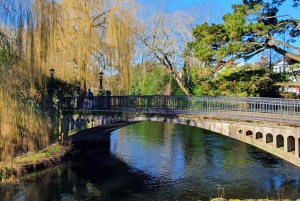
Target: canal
161 161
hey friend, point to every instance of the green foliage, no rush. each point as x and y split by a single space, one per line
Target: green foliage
249 30
206 38
280 77
50 150
242 81
6 57
193 78
3 173
66 88
135 85
295 67
154 81
176 90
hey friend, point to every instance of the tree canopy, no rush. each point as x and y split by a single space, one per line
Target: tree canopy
253 27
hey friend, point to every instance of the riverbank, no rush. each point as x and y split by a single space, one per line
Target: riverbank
55 152
31 161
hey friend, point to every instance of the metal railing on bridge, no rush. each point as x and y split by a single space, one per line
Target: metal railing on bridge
247 108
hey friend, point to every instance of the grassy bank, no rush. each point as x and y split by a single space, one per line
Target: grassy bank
30 161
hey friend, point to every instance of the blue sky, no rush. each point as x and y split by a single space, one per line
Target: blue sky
221 3
226 4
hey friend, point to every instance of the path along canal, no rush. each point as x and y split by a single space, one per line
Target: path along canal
161 161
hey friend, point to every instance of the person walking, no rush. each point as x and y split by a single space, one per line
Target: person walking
90 97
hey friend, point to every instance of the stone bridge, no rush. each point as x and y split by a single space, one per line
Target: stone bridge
271 125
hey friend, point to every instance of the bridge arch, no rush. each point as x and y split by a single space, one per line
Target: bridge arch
72 123
290 143
81 122
276 139
298 148
279 141
249 133
269 138
259 135
77 123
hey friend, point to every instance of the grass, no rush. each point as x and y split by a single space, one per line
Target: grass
42 155
45 157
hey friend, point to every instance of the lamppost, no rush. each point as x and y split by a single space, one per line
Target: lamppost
58 100
52 72
51 87
101 78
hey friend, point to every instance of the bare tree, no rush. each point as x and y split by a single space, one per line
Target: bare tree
163 36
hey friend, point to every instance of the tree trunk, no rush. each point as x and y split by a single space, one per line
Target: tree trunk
182 87
286 53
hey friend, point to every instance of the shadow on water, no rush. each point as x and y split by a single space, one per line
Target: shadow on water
91 174
160 161
98 167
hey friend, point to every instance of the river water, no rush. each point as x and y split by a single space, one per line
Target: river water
161 161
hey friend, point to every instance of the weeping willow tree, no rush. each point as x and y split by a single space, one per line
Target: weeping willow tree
24 122
36 35
120 32
77 37
88 28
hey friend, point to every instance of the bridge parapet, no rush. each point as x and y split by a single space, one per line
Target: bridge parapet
246 108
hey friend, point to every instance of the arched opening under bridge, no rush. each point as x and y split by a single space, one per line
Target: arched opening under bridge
279 141
269 138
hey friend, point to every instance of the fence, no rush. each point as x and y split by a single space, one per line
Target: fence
248 108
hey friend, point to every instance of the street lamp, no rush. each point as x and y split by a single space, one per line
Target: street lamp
101 78
52 72
75 71
51 89
51 93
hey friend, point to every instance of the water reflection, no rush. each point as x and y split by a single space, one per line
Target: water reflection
161 161
149 154
200 161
